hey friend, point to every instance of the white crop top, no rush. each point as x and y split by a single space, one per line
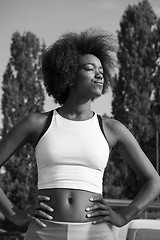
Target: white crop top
72 154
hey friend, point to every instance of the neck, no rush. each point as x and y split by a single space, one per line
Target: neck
76 109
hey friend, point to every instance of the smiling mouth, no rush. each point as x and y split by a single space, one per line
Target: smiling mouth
98 82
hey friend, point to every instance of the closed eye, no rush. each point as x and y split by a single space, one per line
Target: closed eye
89 69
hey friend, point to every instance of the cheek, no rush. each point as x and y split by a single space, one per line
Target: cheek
84 77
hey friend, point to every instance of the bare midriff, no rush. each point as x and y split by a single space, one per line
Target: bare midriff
69 204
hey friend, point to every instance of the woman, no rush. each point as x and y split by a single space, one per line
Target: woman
72 151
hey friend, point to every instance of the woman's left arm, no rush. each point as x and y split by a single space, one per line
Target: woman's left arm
131 152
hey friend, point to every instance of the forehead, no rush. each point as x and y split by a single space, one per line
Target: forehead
89 58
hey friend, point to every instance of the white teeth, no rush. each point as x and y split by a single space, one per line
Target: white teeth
98 82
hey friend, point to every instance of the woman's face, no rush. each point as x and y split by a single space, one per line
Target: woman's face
89 81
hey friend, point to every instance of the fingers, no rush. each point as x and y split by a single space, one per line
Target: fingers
42 205
43 198
36 220
102 215
101 220
98 213
37 210
99 199
99 209
99 203
42 214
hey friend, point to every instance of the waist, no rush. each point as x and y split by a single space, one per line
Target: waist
69 204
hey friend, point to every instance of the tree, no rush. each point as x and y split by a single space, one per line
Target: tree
132 95
22 94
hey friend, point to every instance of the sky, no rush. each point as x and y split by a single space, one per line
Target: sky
48 19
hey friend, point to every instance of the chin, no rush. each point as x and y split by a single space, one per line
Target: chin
97 94
95 97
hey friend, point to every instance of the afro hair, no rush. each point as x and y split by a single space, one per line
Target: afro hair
61 60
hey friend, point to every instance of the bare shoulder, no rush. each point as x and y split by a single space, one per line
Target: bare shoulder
116 131
29 127
110 126
36 120
111 123
36 123
31 122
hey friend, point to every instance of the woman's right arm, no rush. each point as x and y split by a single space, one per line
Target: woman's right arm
26 131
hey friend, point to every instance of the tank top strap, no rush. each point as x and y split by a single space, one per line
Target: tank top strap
46 126
101 125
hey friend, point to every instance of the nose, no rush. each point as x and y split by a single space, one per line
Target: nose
98 75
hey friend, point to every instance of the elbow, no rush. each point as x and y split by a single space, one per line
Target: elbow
156 185
152 184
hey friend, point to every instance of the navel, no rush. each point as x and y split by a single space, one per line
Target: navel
70 200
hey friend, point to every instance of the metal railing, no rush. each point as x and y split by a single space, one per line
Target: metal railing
152 211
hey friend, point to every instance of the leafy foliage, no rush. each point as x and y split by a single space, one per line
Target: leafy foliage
22 94
134 91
